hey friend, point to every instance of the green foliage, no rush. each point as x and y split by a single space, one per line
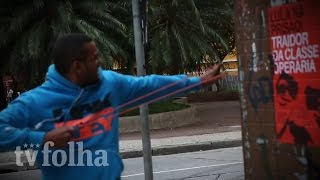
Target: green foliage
28 30
180 33
183 31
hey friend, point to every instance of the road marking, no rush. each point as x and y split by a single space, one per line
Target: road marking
184 169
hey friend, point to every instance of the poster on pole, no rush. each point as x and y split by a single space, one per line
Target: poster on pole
294 32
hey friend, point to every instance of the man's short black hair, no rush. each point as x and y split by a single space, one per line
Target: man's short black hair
68 48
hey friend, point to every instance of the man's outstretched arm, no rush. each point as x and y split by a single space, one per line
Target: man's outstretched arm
212 75
138 90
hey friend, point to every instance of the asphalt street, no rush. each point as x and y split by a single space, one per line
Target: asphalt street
222 164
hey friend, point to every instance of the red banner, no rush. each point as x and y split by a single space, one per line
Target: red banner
294 40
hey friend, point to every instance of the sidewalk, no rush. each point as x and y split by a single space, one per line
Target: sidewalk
181 144
219 127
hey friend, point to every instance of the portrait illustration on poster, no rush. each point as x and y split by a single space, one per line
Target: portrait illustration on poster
294 31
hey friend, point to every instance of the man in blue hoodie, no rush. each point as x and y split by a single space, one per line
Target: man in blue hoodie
71 120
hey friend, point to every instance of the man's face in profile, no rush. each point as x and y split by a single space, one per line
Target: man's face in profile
284 96
286 89
91 64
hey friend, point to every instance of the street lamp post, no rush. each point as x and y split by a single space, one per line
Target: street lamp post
138 24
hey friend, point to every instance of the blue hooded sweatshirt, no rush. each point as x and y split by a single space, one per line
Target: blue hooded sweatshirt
93 152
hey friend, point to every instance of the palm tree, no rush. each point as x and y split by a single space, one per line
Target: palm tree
29 29
125 63
183 31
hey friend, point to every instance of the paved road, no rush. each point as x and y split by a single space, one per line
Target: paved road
222 164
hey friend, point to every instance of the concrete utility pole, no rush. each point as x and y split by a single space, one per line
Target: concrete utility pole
140 58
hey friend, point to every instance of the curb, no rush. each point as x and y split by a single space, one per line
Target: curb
12 167
183 148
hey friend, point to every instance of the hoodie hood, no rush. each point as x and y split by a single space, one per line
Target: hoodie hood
56 79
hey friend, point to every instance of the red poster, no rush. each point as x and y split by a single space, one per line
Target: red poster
294 40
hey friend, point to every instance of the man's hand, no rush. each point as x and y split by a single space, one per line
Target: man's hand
60 136
212 75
